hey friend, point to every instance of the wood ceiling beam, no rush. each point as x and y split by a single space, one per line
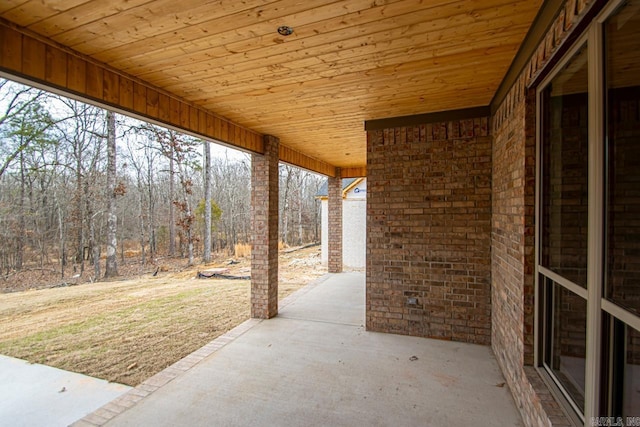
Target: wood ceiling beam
297 158
355 172
42 62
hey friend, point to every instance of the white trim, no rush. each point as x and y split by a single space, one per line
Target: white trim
595 223
608 10
579 290
621 314
579 44
565 283
569 404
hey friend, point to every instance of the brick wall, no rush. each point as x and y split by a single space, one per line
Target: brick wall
513 261
334 262
513 231
428 230
264 231
511 221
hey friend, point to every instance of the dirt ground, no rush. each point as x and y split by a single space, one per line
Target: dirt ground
125 331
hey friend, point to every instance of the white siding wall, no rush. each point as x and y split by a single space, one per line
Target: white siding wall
354 228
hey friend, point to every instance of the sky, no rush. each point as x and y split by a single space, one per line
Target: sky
217 149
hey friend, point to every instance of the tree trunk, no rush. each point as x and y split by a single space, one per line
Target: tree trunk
206 254
62 242
188 229
300 204
151 210
121 240
79 214
23 225
190 247
95 248
111 269
172 212
143 256
89 219
285 207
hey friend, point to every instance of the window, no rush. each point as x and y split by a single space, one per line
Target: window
622 49
621 45
588 216
565 349
565 171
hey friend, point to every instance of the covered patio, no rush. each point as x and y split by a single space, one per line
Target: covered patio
314 364
465 117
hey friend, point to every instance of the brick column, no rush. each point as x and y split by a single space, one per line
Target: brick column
335 223
264 230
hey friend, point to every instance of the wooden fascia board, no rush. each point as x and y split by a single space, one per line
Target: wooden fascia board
42 62
296 158
34 60
353 172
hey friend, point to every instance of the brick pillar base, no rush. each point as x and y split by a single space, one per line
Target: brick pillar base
264 231
335 223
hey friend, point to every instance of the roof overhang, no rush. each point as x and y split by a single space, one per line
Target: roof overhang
224 73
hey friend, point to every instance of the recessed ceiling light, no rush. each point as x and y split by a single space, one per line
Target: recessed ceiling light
285 30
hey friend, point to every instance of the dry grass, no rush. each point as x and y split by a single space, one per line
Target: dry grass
128 330
242 250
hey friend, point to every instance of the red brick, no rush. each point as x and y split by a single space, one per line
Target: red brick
334 207
424 216
264 224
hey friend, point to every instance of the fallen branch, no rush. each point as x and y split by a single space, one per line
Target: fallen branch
63 285
213 275
310 245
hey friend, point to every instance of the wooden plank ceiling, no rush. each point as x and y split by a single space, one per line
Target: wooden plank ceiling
346 61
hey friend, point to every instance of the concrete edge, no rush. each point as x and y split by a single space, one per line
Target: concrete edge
304 290
104 414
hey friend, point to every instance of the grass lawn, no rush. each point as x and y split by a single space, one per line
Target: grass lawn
126 331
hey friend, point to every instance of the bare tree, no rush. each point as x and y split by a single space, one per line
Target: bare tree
95 247
17 101
81 136
62 197
286 173
111 269
301 184
206 253
186 212
172 196
166 144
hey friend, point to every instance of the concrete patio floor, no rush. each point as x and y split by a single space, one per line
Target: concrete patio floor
315 365
33 395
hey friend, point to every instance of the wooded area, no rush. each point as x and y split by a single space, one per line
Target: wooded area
80 186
